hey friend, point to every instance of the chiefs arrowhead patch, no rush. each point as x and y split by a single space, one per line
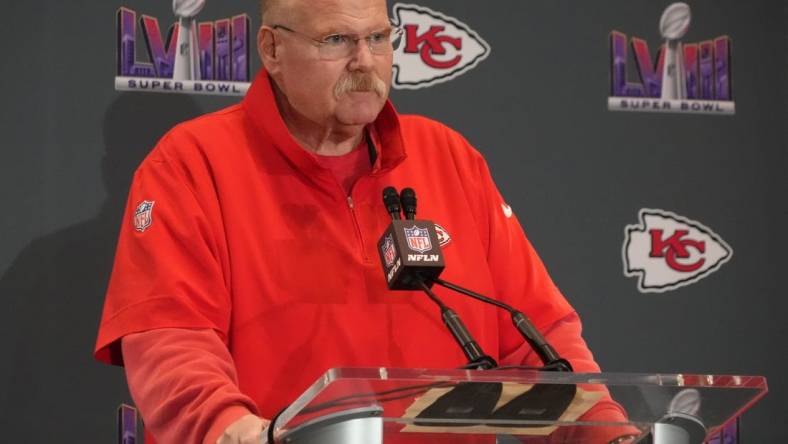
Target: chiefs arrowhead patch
443 235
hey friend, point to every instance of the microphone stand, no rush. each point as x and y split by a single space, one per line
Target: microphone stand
477 359
550 358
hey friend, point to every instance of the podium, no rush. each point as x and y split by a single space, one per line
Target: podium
380 405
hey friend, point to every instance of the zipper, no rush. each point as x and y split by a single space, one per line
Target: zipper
360 237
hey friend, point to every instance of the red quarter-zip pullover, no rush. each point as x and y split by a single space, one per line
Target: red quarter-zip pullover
249 235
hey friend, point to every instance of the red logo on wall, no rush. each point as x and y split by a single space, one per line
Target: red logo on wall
667 251
437 48
431 44
677 247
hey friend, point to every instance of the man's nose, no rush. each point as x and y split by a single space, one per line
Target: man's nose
362 57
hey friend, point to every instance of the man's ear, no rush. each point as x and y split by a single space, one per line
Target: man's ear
266 48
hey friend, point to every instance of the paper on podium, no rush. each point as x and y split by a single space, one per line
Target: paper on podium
581 402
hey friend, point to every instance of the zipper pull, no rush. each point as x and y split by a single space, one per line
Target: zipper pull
350 202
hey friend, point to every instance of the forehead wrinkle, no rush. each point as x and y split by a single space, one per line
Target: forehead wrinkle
350 26
324 16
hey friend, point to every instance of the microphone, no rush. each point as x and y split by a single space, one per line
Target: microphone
409 249
411 257
406 270
408 199
547 354
477 359
391 201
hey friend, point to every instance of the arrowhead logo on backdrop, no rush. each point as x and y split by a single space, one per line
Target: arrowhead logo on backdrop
436 48
667 251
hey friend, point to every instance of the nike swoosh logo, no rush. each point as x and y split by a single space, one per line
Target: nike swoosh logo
507 210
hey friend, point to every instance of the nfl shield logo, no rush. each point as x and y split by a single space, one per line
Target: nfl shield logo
389 253
143 215
418 239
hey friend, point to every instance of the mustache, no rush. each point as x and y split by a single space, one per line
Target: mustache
360 82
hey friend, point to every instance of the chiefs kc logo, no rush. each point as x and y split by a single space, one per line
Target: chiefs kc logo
676 247
666 251
436 48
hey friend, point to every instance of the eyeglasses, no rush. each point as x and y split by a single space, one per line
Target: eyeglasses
339 46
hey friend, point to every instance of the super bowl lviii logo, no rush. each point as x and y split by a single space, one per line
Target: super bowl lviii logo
684 77
195 57
436 48
667 251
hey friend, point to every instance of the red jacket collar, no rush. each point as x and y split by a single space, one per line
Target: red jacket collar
260 106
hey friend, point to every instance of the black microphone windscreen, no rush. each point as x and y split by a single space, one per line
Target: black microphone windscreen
391 201
389 193
408 199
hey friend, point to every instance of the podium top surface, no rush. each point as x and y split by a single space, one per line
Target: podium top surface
430 402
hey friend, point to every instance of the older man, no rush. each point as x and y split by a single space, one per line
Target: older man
246 264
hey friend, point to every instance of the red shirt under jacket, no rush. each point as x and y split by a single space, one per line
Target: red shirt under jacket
251 237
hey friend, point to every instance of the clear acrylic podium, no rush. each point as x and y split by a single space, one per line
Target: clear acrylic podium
376 405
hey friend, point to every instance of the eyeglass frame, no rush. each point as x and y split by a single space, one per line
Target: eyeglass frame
395 34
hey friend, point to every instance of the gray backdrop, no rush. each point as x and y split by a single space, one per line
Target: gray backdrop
574 172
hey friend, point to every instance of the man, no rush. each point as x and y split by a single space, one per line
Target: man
246 264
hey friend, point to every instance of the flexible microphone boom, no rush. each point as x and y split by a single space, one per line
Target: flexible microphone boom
408 271
548 355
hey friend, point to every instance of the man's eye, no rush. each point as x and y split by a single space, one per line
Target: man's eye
378 37
336 40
